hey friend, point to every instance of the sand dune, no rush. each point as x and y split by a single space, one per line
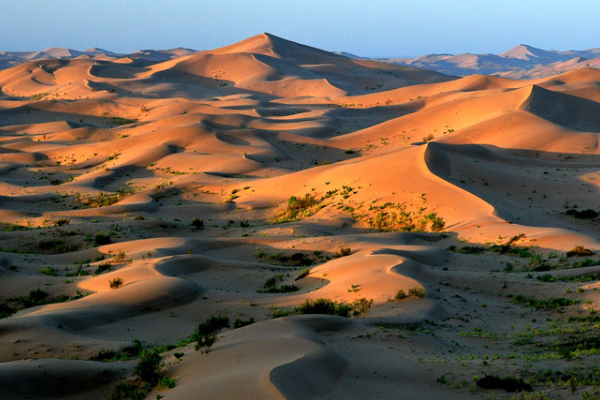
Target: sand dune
144 193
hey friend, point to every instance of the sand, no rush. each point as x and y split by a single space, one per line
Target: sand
109 164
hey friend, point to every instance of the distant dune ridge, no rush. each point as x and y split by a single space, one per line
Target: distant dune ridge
369 230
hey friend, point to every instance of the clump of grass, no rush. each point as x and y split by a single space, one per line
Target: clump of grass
509 384
305 272
553 303
323 306
468 249
270 286
240 323
583 214
115 283
343 252
415 292
298 207
101 238
579 251
197 223
49 271
206 334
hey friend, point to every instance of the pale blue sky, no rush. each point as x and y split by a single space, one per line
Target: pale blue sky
372 28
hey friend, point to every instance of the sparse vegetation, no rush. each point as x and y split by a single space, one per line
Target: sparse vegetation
414 292
206 334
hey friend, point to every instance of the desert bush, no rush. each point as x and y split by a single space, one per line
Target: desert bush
323 306
343 252
305 272
579 251
115 283
148 368
239 323
206 334
62 222
102 268
298 207
509 384
552 303
468 249
361 306
101 238
412 292
48 271
583 214
6 310
197 223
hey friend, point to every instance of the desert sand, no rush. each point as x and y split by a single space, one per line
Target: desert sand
138 199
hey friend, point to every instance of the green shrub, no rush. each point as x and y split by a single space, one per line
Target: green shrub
239 323
509 384
115 283
323 306
343 252
49 271
303 274
552 303
412 292
148 368
6 310
206 334
101 239
579 251
197 223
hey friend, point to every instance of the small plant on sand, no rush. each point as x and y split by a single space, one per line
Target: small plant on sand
579 251
428 138
343 252
197 223
48 271
115 283
417 292
509 384
101 238
323 306
305 272
298 207
206 334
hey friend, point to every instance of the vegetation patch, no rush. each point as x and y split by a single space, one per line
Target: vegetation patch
509 384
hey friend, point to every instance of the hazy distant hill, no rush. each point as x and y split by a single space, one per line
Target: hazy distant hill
522 61
11 58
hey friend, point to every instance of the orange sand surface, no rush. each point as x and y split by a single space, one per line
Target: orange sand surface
138 199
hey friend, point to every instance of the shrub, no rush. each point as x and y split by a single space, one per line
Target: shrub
303 274
298 207
101 238
148 368
115 283
62 222
343 252
323 306
509 384
6 310
239 323
166 383
552 303
579 251
361 306
583 214
197 223
206 333
412 292
48 271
